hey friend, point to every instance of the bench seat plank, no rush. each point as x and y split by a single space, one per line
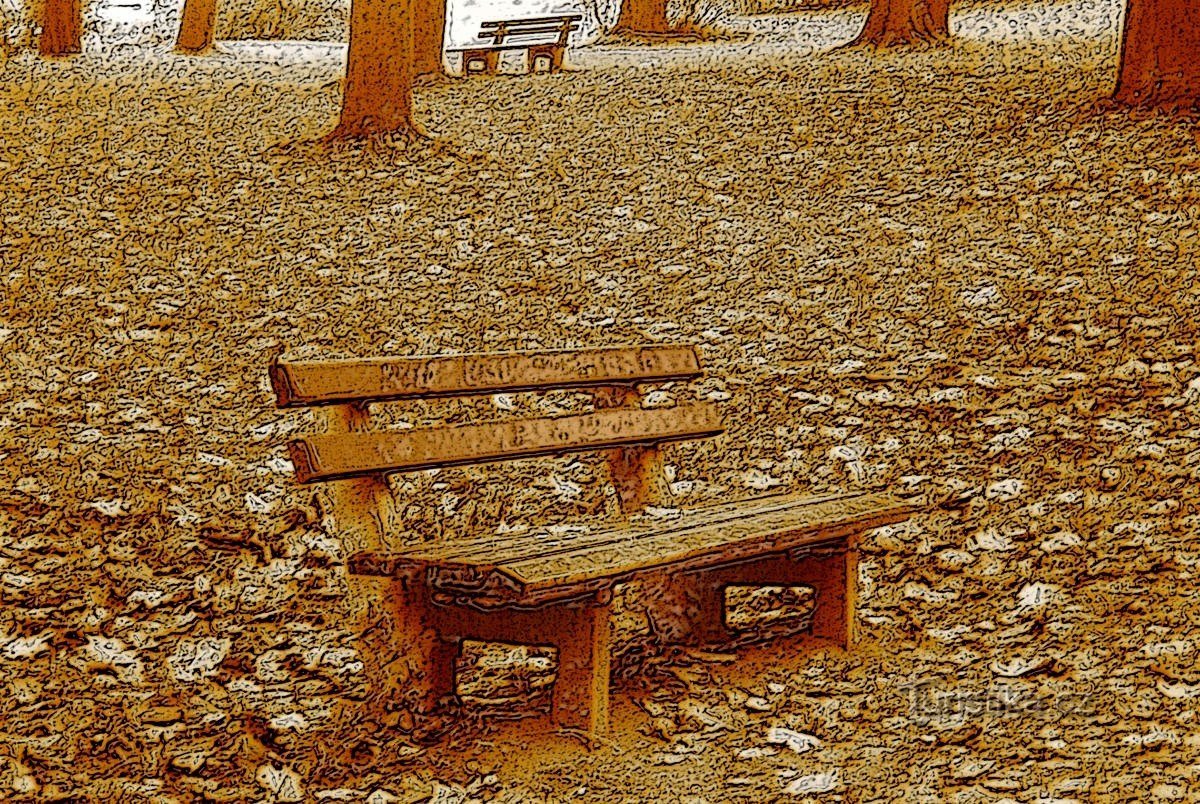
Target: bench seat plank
338 382
757 531
534 562
348 455
493 550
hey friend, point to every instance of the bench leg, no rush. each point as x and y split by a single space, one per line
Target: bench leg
432 655
407 663
489 58
833 579
686 608
832 575
441 663
580 695
553 54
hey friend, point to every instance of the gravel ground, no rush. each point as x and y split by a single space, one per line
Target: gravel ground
944 270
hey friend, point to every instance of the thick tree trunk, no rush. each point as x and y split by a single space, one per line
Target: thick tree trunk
196 25
62 28
377 98
905 22
1160 54
644 16
429 31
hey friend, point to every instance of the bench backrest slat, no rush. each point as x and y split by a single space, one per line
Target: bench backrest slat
333 457
533 21
502 31
334 382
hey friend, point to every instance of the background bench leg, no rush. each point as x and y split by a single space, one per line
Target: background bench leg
686 608
551 54
850 594
580 695
832 575
490 59
833 617
431 658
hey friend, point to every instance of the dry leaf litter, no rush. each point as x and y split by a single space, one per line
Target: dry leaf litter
943 271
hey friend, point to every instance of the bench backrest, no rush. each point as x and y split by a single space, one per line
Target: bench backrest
352 450
535 30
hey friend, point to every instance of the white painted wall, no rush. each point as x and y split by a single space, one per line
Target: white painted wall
465 16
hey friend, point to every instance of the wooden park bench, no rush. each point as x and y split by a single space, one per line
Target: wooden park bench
552 586
544 39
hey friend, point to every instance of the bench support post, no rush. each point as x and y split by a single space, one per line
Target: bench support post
833 575
689 608
580 695
637 476
364 511
686 608
405 660
429 674
579 630
636 472
490 59
407 663
552 52
682 608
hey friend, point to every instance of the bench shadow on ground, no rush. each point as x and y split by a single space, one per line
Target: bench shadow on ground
506 690
533 747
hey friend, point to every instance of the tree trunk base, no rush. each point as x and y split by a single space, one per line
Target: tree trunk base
671 34
59 54
1159 69
212 50
62 28
1156 99
429 33
404 134
905 23
889 39
431 79
677 36
647 18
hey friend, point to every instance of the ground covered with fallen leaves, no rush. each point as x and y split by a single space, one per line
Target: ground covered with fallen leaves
942 271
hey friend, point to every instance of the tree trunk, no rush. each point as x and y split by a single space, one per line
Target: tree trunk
62 28
377 98
644 16
429 32
1160 55
905 22
196 25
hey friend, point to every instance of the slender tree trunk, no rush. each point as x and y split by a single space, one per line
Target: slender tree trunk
1160 54
196 25
429 32
905 22
62 28
377 98
644 16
